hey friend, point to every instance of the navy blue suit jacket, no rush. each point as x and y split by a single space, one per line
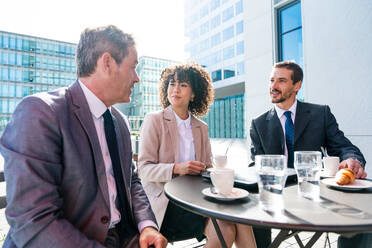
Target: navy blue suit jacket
315 126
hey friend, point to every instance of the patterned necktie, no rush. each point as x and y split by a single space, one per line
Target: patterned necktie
289 134
116 166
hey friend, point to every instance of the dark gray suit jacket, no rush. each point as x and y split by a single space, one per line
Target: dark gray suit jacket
57 191
315 126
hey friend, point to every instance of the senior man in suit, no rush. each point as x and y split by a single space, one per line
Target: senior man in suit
68 158
292 125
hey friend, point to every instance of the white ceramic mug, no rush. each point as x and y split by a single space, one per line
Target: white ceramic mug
331 165
220 161
223 180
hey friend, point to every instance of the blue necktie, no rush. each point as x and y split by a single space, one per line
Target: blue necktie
289 137
118 175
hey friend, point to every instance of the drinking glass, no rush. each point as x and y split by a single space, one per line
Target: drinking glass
271 171
308 165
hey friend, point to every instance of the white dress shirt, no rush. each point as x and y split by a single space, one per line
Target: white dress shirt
282 118
186 140
98 108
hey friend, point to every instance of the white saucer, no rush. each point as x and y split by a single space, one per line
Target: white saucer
235 194
358 184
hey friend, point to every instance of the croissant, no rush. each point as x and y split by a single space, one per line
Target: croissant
345 176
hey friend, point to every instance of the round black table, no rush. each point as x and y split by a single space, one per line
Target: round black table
336 211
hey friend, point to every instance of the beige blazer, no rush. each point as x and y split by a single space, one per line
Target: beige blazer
158 152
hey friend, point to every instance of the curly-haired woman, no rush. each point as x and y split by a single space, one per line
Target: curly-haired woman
174 142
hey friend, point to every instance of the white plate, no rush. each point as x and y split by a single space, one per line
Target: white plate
235 194
356 185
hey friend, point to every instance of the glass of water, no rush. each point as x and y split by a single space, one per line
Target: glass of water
308 165
271 171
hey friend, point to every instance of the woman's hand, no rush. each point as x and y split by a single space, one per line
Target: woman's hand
189 167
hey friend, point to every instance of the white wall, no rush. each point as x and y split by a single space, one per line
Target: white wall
337 38
259 58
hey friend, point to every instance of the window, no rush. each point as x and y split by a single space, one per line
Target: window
228 33
240 68
12 43
215 21
5 58
204 45
290 32
226 118
11 90
5 106
239 7
228 52
215 58
227 14
215 39
214 4
19 91
290 36
240 47
25 76
194 18
5 41
5 74
204 11
32 46
216 75
19 59
12 59
204 28
229 71
26 45
4 90
239 27
19 44
12 74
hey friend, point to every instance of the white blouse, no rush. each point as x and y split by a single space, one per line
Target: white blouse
186 140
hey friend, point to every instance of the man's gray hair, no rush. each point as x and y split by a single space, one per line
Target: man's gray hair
96 41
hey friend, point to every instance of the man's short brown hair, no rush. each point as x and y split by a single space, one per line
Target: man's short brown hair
297 73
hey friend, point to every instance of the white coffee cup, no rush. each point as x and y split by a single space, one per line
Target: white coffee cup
220 161
223 180
331 165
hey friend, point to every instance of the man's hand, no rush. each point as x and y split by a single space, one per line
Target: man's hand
355 166
189 167
150 236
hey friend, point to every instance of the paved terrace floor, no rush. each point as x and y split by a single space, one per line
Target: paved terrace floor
238 153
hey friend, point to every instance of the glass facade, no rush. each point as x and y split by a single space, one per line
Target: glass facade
30 65
209 45
220 49
145 95
290 36
226 118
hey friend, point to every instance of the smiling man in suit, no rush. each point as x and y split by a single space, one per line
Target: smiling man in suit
292 125
308 127
68 158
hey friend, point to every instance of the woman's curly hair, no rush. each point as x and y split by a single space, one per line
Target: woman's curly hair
199 80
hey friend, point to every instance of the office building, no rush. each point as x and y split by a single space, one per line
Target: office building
145 95
239 40
29 65
216 34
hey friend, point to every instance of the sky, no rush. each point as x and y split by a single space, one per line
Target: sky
157 25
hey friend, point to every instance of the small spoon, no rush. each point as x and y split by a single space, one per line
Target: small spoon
324 151
213 190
